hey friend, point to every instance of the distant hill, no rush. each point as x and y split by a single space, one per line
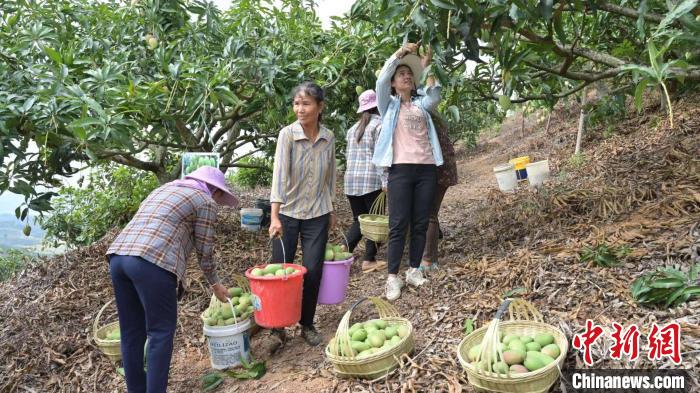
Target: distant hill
11 235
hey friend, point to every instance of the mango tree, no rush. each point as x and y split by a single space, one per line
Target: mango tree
84 82
546 50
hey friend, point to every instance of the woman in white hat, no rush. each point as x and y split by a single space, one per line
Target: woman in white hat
147 263
363 180
409 147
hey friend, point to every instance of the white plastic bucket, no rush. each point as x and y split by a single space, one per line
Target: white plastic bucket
537 172
251 219
506 177
228 344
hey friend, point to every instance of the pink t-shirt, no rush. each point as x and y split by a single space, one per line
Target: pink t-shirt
410 143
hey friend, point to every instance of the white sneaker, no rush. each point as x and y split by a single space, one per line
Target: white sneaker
393 287
415 277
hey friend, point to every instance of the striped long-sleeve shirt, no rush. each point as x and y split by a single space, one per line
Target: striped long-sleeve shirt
361 176
303 179
171 222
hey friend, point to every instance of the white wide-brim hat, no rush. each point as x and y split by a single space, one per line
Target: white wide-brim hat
413 62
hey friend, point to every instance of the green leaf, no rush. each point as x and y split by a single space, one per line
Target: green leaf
444 5
468 326
667 283
211 381
454 111
693 275
120 371
53 55
558 28
679 10
693 290
545 7
639 93
419 19
674 296
642 10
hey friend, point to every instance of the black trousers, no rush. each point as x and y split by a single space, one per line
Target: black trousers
314 235
411 193
361 205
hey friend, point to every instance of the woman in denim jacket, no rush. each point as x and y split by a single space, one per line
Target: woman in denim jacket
409 147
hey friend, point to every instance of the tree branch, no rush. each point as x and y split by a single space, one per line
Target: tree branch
628 12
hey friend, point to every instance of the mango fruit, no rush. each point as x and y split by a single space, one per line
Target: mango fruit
474 352
500 368
508 338
376 340
511 357
526 339
533 346
359 335
544 339
257 272
272 268
235 291
518 369
551 350
402 330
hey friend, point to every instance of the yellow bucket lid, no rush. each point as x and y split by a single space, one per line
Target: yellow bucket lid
520 162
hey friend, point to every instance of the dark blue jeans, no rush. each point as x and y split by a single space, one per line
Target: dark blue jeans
410 194
146 298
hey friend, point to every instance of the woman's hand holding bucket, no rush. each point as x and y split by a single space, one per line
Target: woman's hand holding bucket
220 292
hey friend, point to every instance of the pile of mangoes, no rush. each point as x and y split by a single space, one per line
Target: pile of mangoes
521 354
336 252
274 269
221 314
369 338
196 162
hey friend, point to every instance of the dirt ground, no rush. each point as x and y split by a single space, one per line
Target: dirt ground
640 187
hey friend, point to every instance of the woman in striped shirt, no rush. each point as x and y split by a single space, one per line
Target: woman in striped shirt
302 196
363 180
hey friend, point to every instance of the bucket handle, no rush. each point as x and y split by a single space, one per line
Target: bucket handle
97 318
284 253
235 320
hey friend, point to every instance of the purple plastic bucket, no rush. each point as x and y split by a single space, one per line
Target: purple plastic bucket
334 282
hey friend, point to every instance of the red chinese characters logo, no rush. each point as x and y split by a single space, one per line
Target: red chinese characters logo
665 341
626 342
586 339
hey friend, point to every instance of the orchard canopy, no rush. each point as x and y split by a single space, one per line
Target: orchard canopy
86 82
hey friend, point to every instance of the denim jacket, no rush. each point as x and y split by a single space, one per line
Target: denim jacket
389 107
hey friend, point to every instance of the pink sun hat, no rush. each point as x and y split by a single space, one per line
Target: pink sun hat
367 100
215 177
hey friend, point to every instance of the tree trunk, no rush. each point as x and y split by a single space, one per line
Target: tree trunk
522 124
549 119
581 123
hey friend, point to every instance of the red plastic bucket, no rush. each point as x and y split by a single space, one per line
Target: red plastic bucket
277 300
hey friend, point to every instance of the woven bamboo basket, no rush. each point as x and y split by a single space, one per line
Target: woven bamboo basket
378 364
524 320
377 231
242 283
111 348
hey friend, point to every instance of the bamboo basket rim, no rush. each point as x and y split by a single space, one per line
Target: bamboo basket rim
386 312
95 329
